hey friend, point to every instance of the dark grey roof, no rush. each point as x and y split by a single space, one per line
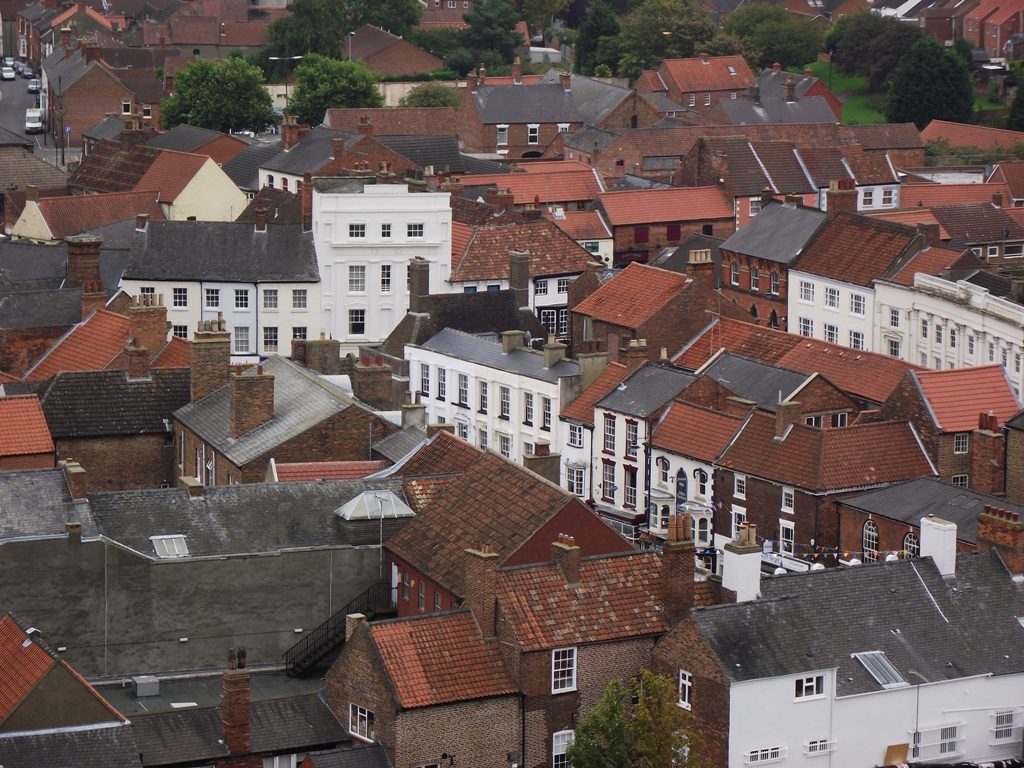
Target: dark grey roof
62 73
678 259
646 390
900 608
241 519
594 99
112 747
118 237
472 164
301 400
45 266
172 738
400 444
772 83
40 309
776 110
765 384
244 168
1017 422
223 251
294 723
354 756
590 137
109 127
440 152
98 403
526 104
310 154
9 139
482 351
995 284
778 233
37 503
911 500
184 138
632 181
33 12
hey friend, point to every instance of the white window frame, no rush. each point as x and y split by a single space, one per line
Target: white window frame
858 304
961 443
563 669
809 687
300 298
533 133
788 498
739 486
738 518
575 479
504 403
576 435
211 298
270 299
816 747
831 297
463 389
856 339
869 536
609 433
357 278
179 298
806 327
360 723
961 481
385 278
765 755
787 544
170 546
806 292
831 333
505 445
241 298
560 743
685 689
240 339
502 135
425 379
894 318
415 231
356 231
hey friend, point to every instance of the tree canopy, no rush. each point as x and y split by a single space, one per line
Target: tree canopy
540 13
664 29
770 34
872 45
1015 120
432 95
492 25
600 22
220 95
322 83
930 83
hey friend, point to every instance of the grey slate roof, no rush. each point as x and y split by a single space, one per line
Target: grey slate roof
354 756
646 390
483 351
11 139
112 747
244 168
301 400
526 104
593 98
441 152
32 266
97 403
109 127
40 309
169 738
184 138
310 154
293 723
223 251
241 519
400 444
765 384
781 634
472 164
911 500
62 73
19 168
632 181
678 259
778 233
37 502
589 138
810 109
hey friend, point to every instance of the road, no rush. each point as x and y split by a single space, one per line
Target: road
14 100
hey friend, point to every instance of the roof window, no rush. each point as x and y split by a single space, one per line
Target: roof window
170 546
880 668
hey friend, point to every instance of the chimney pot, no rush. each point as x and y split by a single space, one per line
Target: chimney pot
511 341
31 193
480 576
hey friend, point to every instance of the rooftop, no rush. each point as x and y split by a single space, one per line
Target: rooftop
709 73
89 346
956 397
633 296
646 390
649 206
36 503
763 383
778 233
582 408
488 353
962 135
74 214
23 429
855 249
581 184
691 430
393 121
481 253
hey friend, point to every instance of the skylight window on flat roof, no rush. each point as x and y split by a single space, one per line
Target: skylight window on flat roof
880 668
170 546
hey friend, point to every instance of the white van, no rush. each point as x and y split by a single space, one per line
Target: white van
33 121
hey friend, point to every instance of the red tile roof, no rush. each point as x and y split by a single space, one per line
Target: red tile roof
1011 172
254 34
931 195
461 235
711 73
558 186
691 430
958 396
444 454
176 353
171 172
423 491
327 470
90 346
23 429
440 659
583 225
74 214
649 206
618 597
633 295
912 217
962 135
395 121
855 249
930 261
823 460
650 80
485 254
866 375
23 663
582 408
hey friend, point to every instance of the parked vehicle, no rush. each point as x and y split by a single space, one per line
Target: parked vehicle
6 73
27 72
9 61
34 86
33 121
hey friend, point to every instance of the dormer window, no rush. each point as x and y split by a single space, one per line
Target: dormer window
170 546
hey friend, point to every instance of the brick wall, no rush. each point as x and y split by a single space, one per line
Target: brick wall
409 605
477 733
593 536
88 101
823 397
21 348
27 461
634 112
1015 465
369 154
891 533
402 58
762 300
625 236
121 463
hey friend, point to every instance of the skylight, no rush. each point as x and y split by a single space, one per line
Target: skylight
170 546
732 70
880 668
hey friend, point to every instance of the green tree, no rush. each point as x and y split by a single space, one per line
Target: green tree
872 45
322 83
599 22
744 20
540 13
930 83
604 738
439 41
1015 120
222 96
664 29
491 28
770 34
432 95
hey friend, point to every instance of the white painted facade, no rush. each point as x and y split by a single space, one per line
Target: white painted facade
943 324
682 484
576 445
832 310
619 477
256 314
364 242
479 419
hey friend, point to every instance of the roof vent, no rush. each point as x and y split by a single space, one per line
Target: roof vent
145 685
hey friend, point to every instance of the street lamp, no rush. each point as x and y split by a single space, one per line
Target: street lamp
284 58
350 36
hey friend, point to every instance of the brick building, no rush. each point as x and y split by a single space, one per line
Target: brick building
700 82
220 147
25 441
387 54
1014 431
959 415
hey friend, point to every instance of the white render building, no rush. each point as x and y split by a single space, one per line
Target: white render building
366 234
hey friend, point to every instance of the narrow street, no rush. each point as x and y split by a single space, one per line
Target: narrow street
14 100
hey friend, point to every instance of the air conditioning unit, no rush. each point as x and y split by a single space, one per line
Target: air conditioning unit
145 685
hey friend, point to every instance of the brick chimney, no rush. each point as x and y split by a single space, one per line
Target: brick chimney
252 401
566 555
234 706
519 277
306 200
76 478
512 340
988 456
138 360
997 199
291 131
499 198
261 218
141 222
352 622
210 357
481 76
414 414
786 414
31 193
83 260
479 576
565 80
741 565
789 88
636 354
91 52
929 231
543 462
678 555
147 319
365 126
419 284
65 38
841 196
1003 531
517 71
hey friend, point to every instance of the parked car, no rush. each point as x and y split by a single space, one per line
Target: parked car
9 61
34 86
6 73
27 72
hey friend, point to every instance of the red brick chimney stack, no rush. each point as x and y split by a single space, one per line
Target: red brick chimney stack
519 277
365 126
306 198
210 356
138 360
147 318
261 218
252 401
1003 531
566 555
75 476
678 564
565 79
841 196
83 259
234 710
786 414
480 576
419 284
517 71
141 222
636 354
988 456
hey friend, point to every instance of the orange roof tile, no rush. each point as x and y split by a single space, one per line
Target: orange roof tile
485 254
327 470
633 295
959 395
461 235
931 195
650 81
440 659
23 429
930 261
582 408
962 135
176 353
648 206
912 217
1011 172
691 430
557 186
444 454
171 172
618 596
710 73
74 214
583 225
423 491
89 346
855 249
23 663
